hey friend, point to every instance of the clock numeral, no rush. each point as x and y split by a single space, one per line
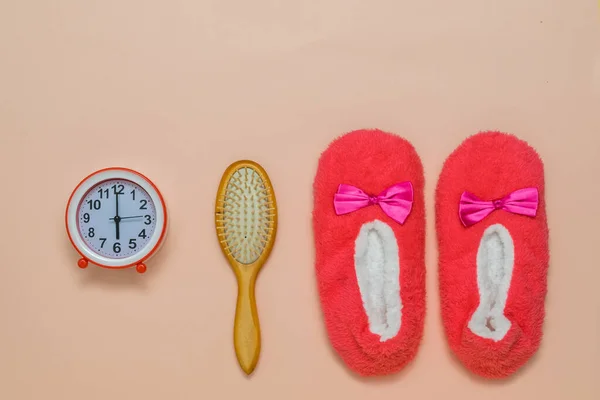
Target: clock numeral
132 244
103 193
142 234
103 240
117 247
118 189
91 232
86 218
94 204
148 220
144 203
133 194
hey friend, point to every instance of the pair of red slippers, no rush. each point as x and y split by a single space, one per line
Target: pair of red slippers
369 226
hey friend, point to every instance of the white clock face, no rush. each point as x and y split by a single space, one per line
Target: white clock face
116 218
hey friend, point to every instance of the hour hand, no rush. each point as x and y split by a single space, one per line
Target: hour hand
117 226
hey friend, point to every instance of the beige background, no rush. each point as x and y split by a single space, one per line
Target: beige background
179 89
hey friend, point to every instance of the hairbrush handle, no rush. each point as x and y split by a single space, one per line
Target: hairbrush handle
246 329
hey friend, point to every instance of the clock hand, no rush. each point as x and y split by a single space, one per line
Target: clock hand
117 219
122 218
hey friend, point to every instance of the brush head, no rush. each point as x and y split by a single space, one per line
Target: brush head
246 213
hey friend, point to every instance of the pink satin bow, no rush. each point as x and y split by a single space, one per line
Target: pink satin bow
396 201
522 201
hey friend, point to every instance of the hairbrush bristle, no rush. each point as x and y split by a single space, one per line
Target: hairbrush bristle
246 214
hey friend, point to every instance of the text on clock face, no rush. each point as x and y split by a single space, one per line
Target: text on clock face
116 218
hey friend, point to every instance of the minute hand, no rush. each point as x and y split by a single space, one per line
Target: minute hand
117 219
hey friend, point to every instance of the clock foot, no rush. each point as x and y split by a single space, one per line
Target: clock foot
82 263
141 268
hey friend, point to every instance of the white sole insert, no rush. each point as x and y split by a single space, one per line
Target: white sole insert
495 262
377 266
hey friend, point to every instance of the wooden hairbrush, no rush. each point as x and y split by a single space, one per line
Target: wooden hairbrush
246 222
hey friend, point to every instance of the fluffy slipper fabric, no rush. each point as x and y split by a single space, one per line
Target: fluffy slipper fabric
493 252
369 230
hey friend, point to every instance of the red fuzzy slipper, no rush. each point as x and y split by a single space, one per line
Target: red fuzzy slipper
493 252
369 227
